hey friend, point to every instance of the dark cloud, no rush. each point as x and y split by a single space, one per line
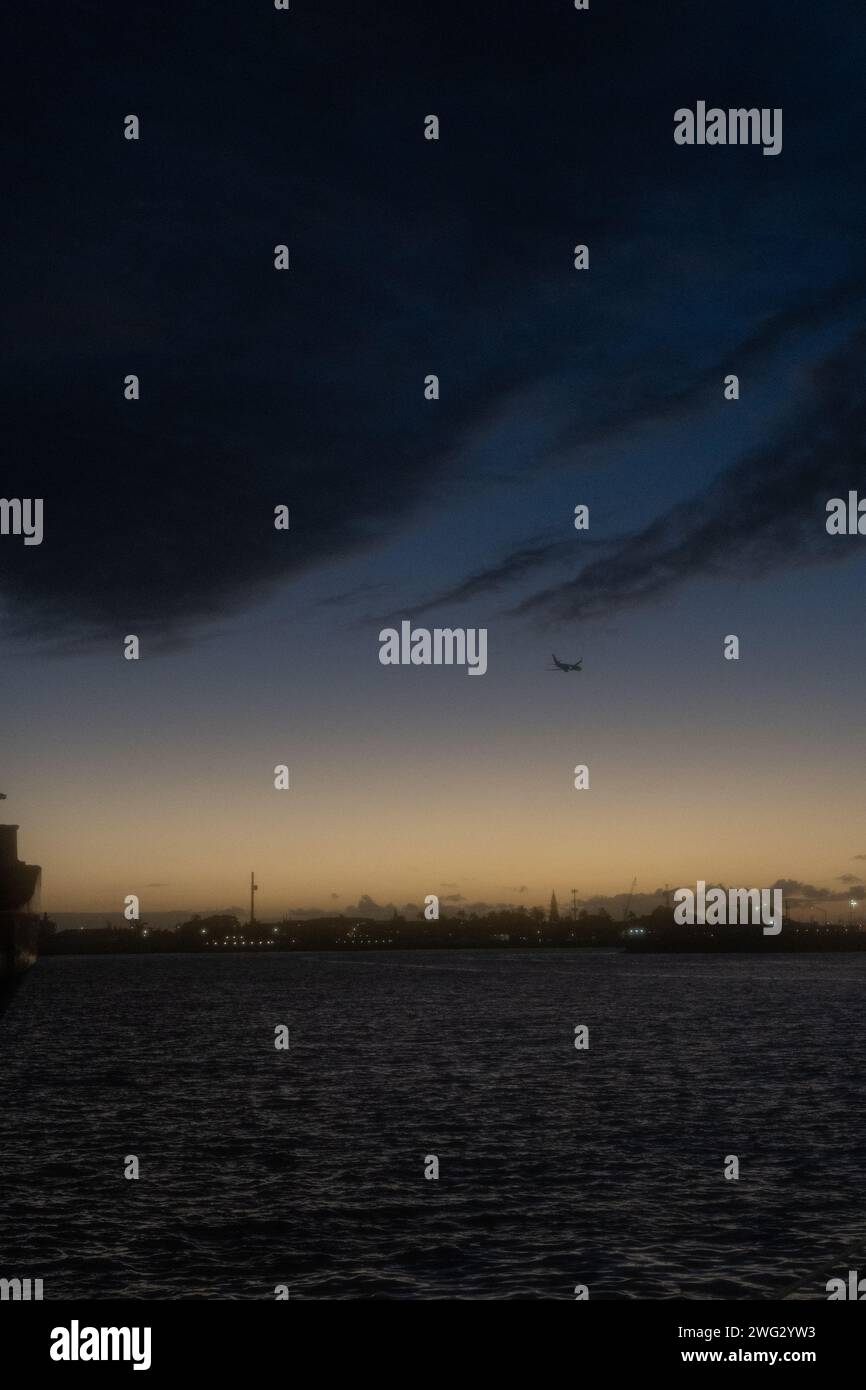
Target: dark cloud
739 525
766 513
303 388
650 398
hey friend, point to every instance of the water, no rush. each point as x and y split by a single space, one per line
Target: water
557 1167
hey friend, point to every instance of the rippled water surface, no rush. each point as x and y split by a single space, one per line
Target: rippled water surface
557 1167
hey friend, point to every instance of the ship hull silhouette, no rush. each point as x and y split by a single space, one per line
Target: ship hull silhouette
19 907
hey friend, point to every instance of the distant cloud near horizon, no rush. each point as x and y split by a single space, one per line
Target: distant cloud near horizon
794 891
807 892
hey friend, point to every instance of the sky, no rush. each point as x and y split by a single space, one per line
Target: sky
558 387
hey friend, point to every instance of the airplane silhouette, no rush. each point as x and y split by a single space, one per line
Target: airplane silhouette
564 666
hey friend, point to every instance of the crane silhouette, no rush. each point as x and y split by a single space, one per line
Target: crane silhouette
565 666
